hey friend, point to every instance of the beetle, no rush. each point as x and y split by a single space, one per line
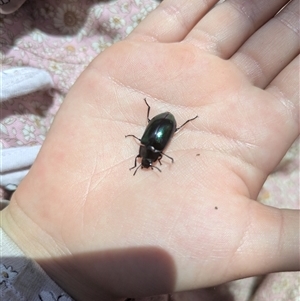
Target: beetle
158 133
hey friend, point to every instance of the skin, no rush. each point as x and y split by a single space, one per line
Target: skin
103 234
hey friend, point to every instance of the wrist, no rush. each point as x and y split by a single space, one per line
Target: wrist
53 257
32 240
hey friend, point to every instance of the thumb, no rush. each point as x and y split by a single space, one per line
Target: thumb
270 242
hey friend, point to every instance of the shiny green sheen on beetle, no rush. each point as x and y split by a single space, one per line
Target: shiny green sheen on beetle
158 133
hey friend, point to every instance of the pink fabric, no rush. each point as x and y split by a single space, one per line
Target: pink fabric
62 37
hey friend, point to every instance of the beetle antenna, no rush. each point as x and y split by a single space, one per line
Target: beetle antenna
155 168
137 169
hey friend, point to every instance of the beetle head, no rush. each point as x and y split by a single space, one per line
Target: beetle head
146 163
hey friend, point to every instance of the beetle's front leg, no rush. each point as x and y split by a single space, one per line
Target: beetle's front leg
138 156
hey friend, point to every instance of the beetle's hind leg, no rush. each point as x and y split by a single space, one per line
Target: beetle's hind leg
148 111
185 123
133 137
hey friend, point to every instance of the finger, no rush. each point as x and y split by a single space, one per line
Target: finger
270 243
228 25
286 83
285 87
271 48
172 20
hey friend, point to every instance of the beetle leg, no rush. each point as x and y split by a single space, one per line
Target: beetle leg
168 157
186 123
138 156
159 158
133 137
148 112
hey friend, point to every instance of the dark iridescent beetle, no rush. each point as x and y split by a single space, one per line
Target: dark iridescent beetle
158 133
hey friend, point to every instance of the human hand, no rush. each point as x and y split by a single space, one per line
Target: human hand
8 7
103 234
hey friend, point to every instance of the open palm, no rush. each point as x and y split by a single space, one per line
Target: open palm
196 223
